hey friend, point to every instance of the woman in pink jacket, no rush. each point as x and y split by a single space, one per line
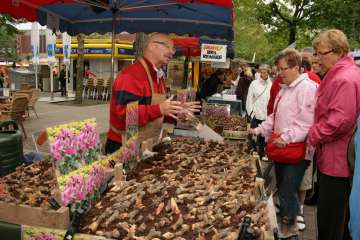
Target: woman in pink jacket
336 111
293 116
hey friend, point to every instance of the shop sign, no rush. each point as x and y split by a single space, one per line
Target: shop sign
96 51
213 52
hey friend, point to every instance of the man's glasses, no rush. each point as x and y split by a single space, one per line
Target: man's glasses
321 54
166 45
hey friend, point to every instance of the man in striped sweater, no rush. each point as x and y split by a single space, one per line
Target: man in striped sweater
134 84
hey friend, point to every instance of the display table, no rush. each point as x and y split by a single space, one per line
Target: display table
235 104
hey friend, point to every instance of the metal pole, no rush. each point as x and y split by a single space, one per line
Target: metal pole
36 76
51 83
67 80
114 11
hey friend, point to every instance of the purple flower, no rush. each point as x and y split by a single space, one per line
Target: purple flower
43 236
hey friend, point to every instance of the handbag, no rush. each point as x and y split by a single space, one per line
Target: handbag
292 153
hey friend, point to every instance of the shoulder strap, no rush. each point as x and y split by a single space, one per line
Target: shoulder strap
275 110
149 78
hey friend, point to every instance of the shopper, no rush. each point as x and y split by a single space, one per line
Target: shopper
62 80
336 111
256 104
212 84
246 77
139 82
292 118
88 73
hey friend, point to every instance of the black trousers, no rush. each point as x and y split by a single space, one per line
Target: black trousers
333 208
111 146
259 145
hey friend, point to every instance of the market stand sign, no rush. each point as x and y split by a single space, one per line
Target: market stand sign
75 149
213 53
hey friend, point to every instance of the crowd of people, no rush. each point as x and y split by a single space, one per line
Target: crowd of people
313 101
312 97
303 111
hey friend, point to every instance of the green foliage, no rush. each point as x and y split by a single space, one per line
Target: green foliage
8 34
267 27
340 14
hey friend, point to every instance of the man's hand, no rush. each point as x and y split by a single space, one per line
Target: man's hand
279 142
192 106
170 108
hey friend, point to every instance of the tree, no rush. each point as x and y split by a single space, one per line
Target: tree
8 35
80 68
343 15
286 15
249 34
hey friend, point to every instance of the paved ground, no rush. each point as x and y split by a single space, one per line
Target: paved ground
51 114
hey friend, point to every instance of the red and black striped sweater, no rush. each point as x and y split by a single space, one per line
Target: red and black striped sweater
130 85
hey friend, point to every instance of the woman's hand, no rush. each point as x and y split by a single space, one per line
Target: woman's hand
279 142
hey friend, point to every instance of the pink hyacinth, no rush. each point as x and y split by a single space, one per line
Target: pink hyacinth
88 137
75 190
43 236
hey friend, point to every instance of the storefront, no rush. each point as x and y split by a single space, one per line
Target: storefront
97 54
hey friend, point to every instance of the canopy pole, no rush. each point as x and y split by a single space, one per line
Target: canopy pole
67 80
51 83
36 76
114 11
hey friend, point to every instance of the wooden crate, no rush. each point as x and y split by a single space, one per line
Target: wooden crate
235 135
35 216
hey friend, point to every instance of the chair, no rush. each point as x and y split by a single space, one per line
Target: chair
33 100
100 85
27 92
107 89
91 83
39 138
25 86
85 84
17 111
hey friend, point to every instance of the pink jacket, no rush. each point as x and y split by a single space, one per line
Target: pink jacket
336 111
295 112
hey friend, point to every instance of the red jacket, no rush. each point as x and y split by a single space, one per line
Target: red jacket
130 85
274 90
313 76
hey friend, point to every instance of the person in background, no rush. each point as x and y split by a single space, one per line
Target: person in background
142 82
246 77
88 73
62 80
235 81
336 111
273 72
316 68
354 156
307 181
306 59
256 103
292 118
212 84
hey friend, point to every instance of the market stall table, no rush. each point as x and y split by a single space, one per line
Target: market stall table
235 104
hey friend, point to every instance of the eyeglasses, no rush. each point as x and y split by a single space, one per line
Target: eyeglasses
166 45
321 54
